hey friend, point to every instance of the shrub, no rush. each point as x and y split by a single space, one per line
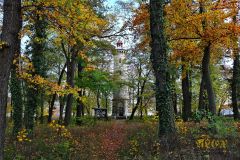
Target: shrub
86 121
221 129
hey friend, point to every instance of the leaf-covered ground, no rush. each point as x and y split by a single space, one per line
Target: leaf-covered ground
120 139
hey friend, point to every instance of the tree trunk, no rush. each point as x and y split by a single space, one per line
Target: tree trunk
35 96
186 95
135 108
16 101
16 95
106 101
206 81
98 99
50 111
30 108
138 98
174 97
62 103
236 84
159 59
42 108
202 104
9 36
141 108
140 91
70 80
173 93
80 105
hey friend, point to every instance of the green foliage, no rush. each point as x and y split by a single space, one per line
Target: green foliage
220 85
102 47
44 148
221 128
62 150
201 114
195 131
96 80
86 121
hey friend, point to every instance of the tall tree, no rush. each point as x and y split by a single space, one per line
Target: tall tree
9 38
16 95
159 59
50 111
140 91
139 78
35 96
80 104
235 85
200 30
71 64
187 98
206 82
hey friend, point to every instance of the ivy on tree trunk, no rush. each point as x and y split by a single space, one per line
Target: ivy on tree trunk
35 95
159 59
17 101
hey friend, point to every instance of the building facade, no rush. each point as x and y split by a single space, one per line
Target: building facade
120 101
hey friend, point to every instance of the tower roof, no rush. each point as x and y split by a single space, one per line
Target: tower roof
119 43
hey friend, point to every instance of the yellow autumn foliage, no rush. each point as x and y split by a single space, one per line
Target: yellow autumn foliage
72 21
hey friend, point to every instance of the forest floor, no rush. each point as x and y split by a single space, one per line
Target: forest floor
121 139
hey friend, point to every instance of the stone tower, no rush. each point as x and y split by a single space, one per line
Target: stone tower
120 97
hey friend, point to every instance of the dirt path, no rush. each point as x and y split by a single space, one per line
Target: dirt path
113 138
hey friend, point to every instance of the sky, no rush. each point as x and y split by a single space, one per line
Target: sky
110 2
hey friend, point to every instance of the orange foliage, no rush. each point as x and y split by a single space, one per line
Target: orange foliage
141 26
188 30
